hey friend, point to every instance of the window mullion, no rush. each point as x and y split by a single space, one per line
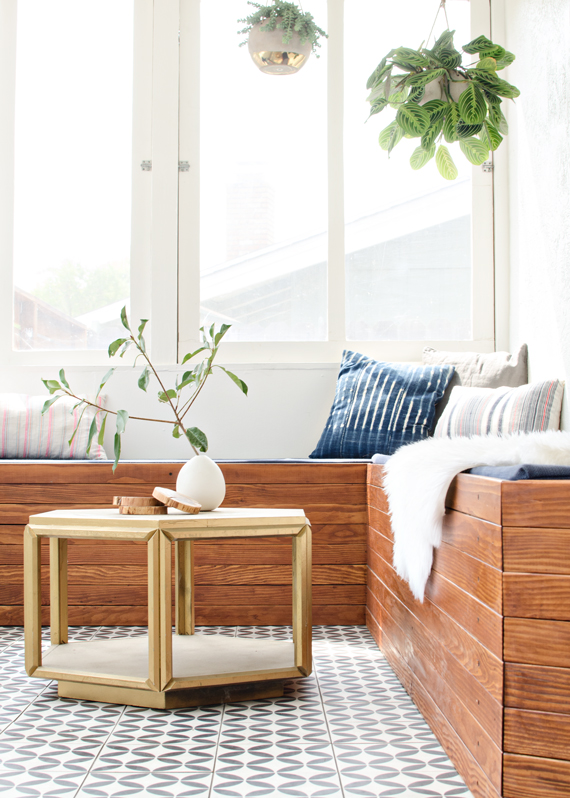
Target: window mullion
164 247
335 114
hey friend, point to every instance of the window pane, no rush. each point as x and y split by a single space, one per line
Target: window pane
263 188
74 78
408 234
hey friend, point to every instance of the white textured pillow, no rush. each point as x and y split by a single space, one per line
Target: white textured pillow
498 411
26 434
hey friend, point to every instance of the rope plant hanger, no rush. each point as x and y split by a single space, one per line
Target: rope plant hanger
437 97
280 37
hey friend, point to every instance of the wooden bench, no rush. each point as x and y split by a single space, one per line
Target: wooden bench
486 657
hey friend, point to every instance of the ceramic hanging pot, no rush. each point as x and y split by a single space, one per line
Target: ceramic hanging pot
272 56
202 480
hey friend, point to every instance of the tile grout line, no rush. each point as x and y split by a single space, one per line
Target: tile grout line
103 744
217 750
316 672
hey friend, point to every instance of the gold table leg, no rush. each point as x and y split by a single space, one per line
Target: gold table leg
58 590
32 601
153 548
165 619
302 600
184 587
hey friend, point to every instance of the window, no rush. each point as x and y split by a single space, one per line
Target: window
264 202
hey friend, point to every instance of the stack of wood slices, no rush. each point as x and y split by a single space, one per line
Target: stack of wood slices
157 504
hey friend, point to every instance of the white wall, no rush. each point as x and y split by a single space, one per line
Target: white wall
283 416
538 32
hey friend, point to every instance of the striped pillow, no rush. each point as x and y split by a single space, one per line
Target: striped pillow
378 407
498 411
26 434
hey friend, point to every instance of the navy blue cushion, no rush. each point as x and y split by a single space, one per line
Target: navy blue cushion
525 471
379 407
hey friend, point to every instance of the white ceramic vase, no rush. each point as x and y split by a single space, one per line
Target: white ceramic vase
202 480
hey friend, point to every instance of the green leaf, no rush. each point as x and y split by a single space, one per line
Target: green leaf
490 64
506 60
92 433
491 82
52 385
144 379
420 157
49 402
117 449
435 109
378 106
126 345
497 118
197 439
474 150
409 59
124 318
472 106
70 441
413 120
433 131
478 44
445 41
495 52
390 136
464 131
452 117
450 58
122 418
63 380
423 78
186 381
491 136
190 355
142 325
444 163
165 396
176 431
107 376
115 346
101 437
378 73
220 334
240 383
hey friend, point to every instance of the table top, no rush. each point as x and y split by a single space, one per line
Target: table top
223 522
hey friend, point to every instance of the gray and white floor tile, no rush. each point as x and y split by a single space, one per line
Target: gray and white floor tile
347 731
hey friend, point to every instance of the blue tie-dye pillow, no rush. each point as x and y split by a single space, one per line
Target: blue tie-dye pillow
379 407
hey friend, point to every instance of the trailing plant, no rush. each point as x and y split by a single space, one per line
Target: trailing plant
436 98
190 384
287 17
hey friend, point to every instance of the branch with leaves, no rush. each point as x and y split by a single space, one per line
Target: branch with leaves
179 400
437 98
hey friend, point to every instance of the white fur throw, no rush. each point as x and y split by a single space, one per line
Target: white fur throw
417 478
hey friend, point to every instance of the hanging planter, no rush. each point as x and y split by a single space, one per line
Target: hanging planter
281 37
436 98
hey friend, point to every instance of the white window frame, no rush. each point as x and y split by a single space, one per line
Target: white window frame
165 278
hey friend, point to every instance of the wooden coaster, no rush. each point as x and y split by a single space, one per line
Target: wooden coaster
130 509
178 500
136 501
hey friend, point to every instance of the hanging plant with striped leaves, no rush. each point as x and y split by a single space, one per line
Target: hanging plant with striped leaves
440 101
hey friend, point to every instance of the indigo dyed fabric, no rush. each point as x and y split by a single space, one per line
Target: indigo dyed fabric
379 407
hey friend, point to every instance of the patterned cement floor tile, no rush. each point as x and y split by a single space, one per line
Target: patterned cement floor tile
348 730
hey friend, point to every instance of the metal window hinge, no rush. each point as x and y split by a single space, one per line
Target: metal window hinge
487 166
146 166
183 166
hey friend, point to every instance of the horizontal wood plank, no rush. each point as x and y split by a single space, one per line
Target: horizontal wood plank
424 647
534 777
536 642
479 782
476 496
372 624
544 734
536 550
474 536
473 576
536 503
537 596
537 687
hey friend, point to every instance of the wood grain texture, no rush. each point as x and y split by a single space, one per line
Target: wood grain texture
481 539
476 496
545 734
471 575
423 647
475 777
536 503
535 550
536 642
537 687
537 596
485 666
534 777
